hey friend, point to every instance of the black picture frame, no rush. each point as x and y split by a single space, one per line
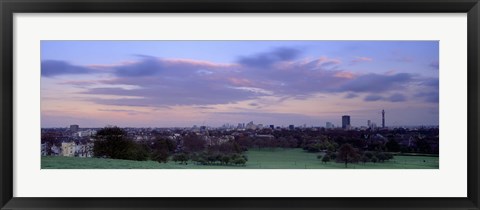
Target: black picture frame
10 7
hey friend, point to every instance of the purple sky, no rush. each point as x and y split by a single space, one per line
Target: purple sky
185 83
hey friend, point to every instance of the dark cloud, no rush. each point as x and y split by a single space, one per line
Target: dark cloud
373 98
205 107
431 97
397 97
50 68
376 83
177 93
264 60
170 82
435 65
351 95
146 67
430 82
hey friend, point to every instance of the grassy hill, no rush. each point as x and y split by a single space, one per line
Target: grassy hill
257 159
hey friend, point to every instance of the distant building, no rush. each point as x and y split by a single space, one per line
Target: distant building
383 118
329 125
369 123
84 150
291 127
272 126
251 126
86 133
345 122
45 149
68 149
240 126
74 128
55 151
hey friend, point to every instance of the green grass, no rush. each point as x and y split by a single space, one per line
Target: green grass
257 159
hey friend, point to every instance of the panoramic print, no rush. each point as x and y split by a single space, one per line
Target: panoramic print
306 104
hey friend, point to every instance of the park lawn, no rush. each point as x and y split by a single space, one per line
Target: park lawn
257 159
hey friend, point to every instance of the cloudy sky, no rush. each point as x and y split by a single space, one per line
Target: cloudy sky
186 83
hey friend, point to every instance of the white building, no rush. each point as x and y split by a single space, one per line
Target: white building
84 150
68 149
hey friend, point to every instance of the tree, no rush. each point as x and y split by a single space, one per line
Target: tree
225 159
423 146
381 156
369 155
161 156
162 148
325 159
392 145
193 143
365 159
347 153
112 142
180 157
239 161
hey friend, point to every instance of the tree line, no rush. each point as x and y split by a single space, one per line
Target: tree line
113 142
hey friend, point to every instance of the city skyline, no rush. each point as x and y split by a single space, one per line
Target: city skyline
185 83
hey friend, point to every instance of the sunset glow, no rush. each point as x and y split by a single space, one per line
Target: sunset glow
186 83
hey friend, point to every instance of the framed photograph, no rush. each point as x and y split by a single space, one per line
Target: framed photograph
239 105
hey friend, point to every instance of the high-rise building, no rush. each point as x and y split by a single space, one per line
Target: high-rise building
251 126
345 121
369 123
74 128
383 118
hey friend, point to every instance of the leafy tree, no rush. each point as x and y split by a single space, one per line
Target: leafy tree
326 159
180 157
225 159
365 159
333 155
112 142
347 153
239 161
162 148
193 143
369 155
392 145
161 156
423 146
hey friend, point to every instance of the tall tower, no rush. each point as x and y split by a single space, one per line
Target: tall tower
383 118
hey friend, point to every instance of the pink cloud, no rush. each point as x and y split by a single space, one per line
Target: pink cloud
179 61
362 59
391 72
240 81
345 75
